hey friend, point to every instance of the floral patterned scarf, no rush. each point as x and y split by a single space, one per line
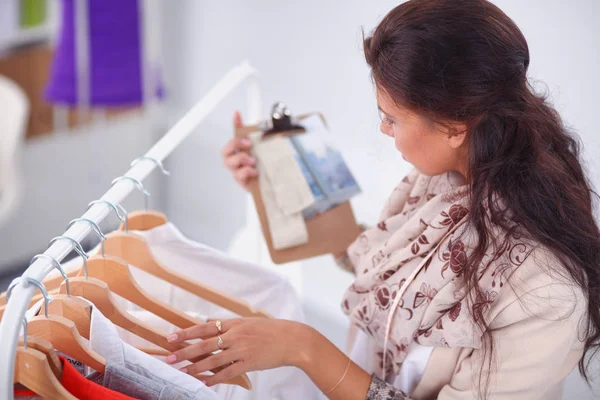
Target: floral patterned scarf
422 229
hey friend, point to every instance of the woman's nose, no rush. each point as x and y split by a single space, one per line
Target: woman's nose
385 130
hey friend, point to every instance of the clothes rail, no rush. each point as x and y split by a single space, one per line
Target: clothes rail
21 295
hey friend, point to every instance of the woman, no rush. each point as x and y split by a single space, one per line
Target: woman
481 279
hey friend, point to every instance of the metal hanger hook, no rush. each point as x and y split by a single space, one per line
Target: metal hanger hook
118 209
139 186
58 266
95 228
158 163
30 281
25 332
77 249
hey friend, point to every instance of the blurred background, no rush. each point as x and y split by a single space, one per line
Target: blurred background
149 61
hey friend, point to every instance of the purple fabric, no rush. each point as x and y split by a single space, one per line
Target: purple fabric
114 48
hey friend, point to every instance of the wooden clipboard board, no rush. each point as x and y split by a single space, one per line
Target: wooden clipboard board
328 233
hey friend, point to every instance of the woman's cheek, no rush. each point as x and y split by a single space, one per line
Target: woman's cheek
401 145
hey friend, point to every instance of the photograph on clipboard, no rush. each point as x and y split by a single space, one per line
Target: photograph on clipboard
323 166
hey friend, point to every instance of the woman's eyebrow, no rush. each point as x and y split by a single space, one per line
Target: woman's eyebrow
383 111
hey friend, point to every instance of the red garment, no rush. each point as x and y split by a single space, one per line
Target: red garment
80 387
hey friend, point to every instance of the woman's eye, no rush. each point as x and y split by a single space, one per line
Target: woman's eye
385 119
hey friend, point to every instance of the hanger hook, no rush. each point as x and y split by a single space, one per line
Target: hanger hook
57 266
158 163
118 209
138 184
95 228
77 249
31 281
25 332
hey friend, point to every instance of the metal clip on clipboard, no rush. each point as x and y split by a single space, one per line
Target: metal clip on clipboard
282 121
328 233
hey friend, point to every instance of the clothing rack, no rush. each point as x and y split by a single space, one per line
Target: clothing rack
20 298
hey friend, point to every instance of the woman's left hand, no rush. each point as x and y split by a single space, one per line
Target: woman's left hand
248 344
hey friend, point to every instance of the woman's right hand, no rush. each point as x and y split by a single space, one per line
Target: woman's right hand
241 164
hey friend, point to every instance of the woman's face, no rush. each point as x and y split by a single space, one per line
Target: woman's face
433 149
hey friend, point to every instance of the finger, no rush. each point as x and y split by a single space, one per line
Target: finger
200 331
195 350
244 174
235 369
235 161
222 359
237 119
235 145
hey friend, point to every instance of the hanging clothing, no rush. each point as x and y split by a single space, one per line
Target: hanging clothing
123 380
79 386
114 48
260 287
105 340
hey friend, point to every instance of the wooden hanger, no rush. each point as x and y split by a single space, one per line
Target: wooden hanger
116 274
65 338
134 250
98 293
79 311
144 220
46 348
59 331
74 309
33 371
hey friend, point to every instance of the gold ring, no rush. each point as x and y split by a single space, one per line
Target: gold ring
220 342
219 325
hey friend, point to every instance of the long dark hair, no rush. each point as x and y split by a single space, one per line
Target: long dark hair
466 61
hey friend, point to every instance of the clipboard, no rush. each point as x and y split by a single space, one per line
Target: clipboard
330 232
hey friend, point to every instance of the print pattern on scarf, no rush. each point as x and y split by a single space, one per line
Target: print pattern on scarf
424 219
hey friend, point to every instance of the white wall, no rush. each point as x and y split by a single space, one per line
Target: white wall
64 171
309 55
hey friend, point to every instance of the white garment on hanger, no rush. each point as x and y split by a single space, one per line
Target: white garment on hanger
105 340
259 286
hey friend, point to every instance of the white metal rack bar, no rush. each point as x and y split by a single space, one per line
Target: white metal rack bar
10 325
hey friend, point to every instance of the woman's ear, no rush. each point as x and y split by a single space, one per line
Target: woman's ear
455 134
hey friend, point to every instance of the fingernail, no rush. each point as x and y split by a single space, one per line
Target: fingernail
252 160
171 359
246 142
172 338
184 370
